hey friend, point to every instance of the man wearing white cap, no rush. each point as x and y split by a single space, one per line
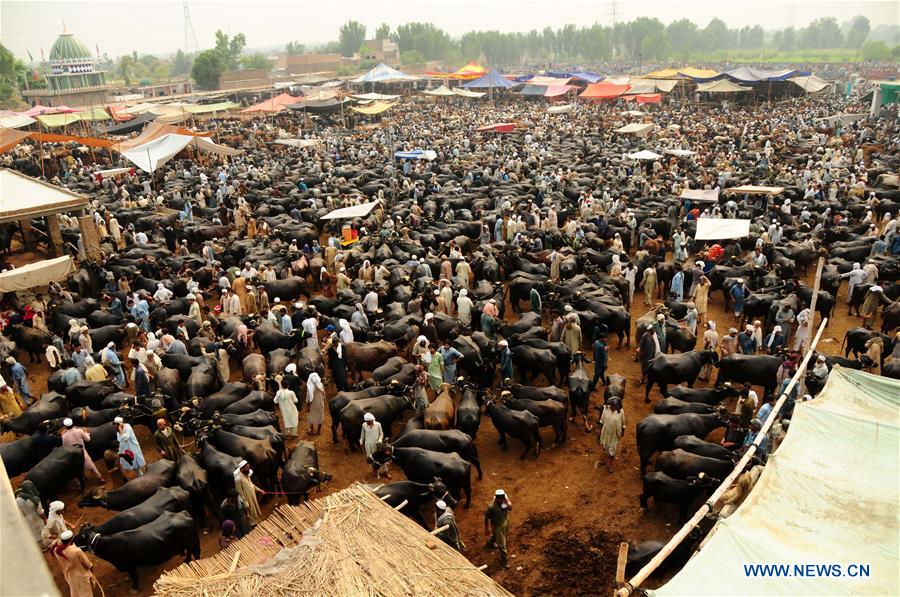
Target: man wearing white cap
464 307
77 436
443 517
496 523
369 438
131 457
75 565
247 490
56 524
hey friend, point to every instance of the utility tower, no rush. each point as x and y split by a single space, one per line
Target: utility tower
190 38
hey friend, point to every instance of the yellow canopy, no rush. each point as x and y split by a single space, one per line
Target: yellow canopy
666 73
373 108
698 73
52 121
207 108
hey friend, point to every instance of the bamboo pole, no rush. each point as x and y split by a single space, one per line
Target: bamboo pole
815 298
676 540
621 562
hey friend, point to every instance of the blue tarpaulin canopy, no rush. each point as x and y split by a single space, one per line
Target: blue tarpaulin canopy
384 74
492 79
584 76
747 74
417 154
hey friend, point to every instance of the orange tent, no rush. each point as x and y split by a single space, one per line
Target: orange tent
274 104
472 70
9 138
604 90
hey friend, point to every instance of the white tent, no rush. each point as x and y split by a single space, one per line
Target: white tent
150 156
299 142
354 211
682 153
721 228
633 113
23 197
644 154
711 195
375 96
39 273
637 128
468 93
11 120
563 109
750 189
442 91
827 497
112 172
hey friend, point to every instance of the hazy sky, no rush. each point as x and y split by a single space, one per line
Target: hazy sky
120 26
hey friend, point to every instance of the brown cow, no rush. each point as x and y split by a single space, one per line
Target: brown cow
440 414
367 356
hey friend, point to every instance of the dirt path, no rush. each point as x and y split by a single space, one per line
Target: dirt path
568 518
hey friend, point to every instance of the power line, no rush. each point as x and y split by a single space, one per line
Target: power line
189 34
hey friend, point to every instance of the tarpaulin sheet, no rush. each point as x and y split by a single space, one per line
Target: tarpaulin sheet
666 73
372 109
641 86
319 106
299 142
209 108
384 74
91 114
721 86
648 98
747 74
666 85
274 104
581 76
697 73
11 120
682 153
417 154
468 94
604 90
644 154
52 121
549 81
152 155
472 70
492 80
37 274
536 90
441 91
86 141
112 172
500 127
706 195
721 228
636 128
375 96
155 130
750 189
123 128
24 197
557 90
827 496
564 109
119 113
9 138
354 211
810 84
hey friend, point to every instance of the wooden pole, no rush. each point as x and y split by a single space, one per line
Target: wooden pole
676 540
621 562
811 324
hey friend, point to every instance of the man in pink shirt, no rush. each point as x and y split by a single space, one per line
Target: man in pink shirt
76 436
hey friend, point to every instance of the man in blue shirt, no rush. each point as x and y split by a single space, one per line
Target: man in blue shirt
451 358
506 366
601 358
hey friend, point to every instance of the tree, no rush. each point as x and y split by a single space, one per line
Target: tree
181 64
352 35
428 40
876 51
229 49
383 31
682 36
412 58
10 80
126 68
207 68
858 32
716 36
294 48
256 61
788 40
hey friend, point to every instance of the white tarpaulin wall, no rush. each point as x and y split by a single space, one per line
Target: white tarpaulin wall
354 211
644 154
721 228
637 128
150 156
37 274
711 195
827 496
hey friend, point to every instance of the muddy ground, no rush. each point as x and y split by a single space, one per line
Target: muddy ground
568 517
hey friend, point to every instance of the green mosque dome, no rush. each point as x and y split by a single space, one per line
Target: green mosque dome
67 47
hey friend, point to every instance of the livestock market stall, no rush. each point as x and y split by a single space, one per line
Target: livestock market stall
349 543
721 228
828 497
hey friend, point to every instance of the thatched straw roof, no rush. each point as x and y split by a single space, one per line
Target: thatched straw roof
349 543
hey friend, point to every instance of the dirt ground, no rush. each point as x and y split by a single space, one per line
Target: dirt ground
568 517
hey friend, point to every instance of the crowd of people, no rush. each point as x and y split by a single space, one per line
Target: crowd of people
556 188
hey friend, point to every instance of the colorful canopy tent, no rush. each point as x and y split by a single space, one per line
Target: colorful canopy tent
746 74
636 128
827 496
23 197
467 93
442 91
604 90
354 211
36 110
558 90
11 120
490 80
86 141
541 80
811 83
704 195
118 113
698 74
210 108
587 77
666 73
155 130
375 96
471 71
500 127
133 125
417 154
150 156
9 138
564 109
721 86
644 98
373 108
36 274
272 105
384 74
644 154
721 228
52 121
